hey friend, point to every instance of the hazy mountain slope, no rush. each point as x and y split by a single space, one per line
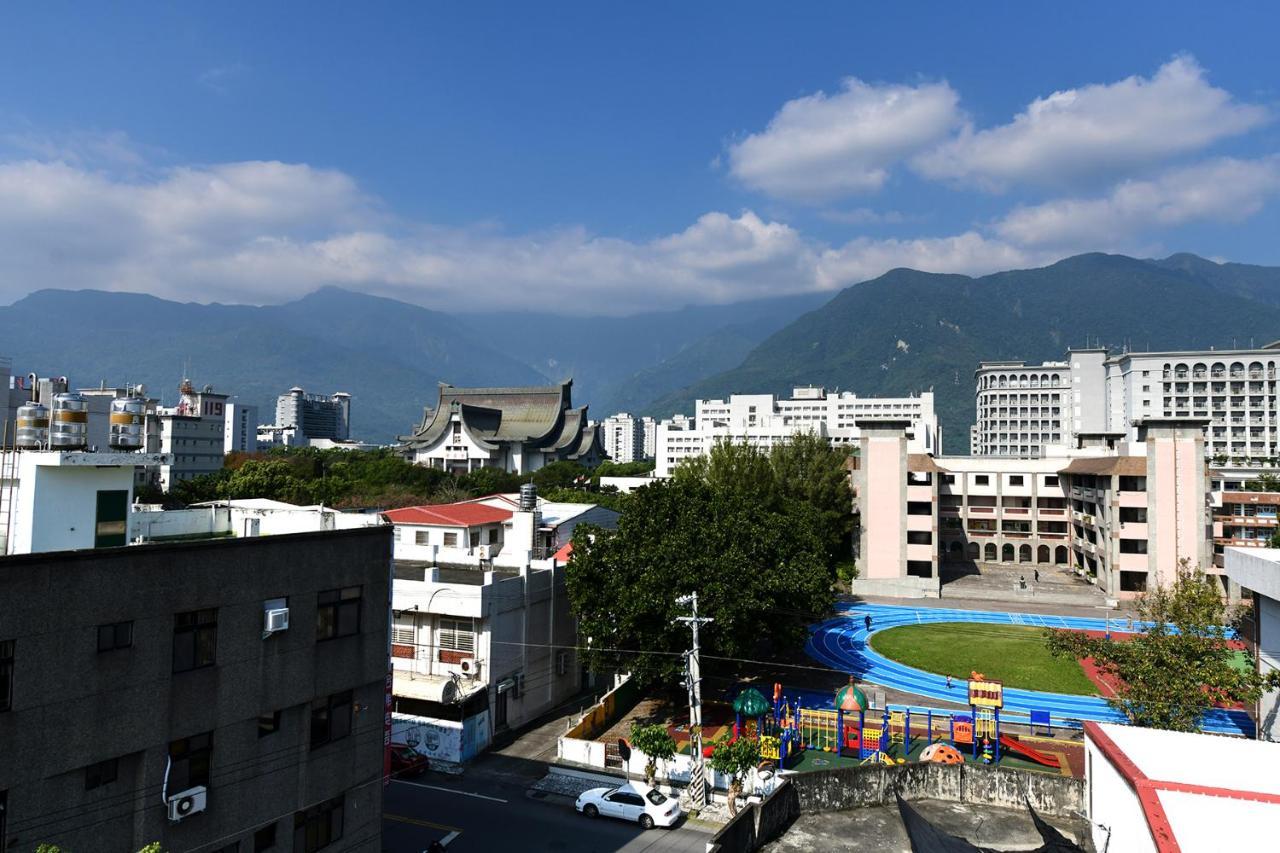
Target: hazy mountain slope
387 355
909 331
609 356
1244 280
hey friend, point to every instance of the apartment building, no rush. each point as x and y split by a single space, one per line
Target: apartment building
1122 514
241 429
315 415
1022 409
190 434
1243 519
222 694
623 437
765 421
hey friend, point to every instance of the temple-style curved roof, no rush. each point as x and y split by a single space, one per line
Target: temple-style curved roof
535 415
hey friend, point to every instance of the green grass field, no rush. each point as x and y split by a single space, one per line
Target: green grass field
1011 654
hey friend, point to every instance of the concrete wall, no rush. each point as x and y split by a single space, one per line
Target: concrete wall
1115 814
74 706
854 787
56 507
758 823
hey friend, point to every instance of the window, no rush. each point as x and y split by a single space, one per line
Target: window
338 613
1051 480
422 537
116 636
268 723
456 635
919 537
451 540
330 718
189 762
475 539
981 480
6 674
102 773
317 827
919 508
195 638
264 839
1015 479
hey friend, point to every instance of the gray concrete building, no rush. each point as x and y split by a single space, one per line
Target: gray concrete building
210 695
315 415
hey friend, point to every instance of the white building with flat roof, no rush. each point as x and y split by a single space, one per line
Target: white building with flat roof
1257 571
765 421
241 428
623 436
1022 408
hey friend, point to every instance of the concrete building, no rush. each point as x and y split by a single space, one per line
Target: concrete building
650 428
315 415
206 695
624 436
1155 791
1258 573
1243 519
191 434
1019 414
765 421
241 430
517 430
1121 514
483 635
271 435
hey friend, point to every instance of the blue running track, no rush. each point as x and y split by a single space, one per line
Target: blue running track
840 643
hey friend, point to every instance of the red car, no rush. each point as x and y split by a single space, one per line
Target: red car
407 762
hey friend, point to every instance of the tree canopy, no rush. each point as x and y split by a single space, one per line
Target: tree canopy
1180 667
760 562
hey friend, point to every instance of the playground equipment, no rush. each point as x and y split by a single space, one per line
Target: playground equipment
1012 744
941 753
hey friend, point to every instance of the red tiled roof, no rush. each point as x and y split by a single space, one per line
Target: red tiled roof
566 551
448 515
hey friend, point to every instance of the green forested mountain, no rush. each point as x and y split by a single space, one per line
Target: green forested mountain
910 331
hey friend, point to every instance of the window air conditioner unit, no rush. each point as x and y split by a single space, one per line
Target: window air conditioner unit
187 803
468 666
275 620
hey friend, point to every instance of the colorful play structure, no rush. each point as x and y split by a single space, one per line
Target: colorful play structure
852 730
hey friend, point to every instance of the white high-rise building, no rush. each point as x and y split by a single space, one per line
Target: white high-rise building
624 438
1022 408
191 434
764 421
650 436
241 428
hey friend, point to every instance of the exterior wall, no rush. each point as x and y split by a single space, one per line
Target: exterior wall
1243 520
241 429
408 547
74 706
881 496
1021 408
1258 571
624 437
55 508
1177 490
1114 812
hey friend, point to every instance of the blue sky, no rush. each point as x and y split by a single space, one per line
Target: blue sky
602 157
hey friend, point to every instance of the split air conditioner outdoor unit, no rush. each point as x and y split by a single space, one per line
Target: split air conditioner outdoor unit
187 803
468 666
275 620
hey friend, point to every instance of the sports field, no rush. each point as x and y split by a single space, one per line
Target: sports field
1013 654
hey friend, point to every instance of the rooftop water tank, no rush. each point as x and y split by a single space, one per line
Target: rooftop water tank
127 423
70 427
33 426
528 497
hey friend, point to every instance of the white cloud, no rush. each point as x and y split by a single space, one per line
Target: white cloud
825 146
1096 131
969 253
1224 189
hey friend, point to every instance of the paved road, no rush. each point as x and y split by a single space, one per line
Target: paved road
489 812
841 644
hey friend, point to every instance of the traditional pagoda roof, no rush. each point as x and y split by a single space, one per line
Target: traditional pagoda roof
541 416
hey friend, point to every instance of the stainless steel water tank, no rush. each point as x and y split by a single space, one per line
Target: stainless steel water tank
70 427
126 430
33 426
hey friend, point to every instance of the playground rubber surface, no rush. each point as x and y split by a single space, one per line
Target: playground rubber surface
840 643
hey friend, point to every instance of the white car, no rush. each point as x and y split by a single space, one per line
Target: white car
633 802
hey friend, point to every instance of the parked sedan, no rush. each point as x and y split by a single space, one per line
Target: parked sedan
407 762
633 802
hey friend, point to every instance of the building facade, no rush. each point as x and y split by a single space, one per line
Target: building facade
191 434
1124 515
315 415
624 437
517 430
218 694
765 421
1233 390
241 429
1258 572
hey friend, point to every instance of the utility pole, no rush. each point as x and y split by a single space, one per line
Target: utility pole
693 680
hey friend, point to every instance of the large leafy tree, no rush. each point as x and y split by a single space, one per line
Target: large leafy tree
757 570
1178 669
808 470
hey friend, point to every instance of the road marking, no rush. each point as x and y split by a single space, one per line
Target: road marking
451 791
419 822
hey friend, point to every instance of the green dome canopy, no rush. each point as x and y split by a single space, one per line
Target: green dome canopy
749 703
850 698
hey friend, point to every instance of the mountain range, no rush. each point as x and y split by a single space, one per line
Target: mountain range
904 332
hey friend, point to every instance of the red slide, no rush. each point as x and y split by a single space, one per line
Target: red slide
1011 743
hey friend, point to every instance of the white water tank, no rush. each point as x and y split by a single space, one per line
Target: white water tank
33 426
70 427
128 416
